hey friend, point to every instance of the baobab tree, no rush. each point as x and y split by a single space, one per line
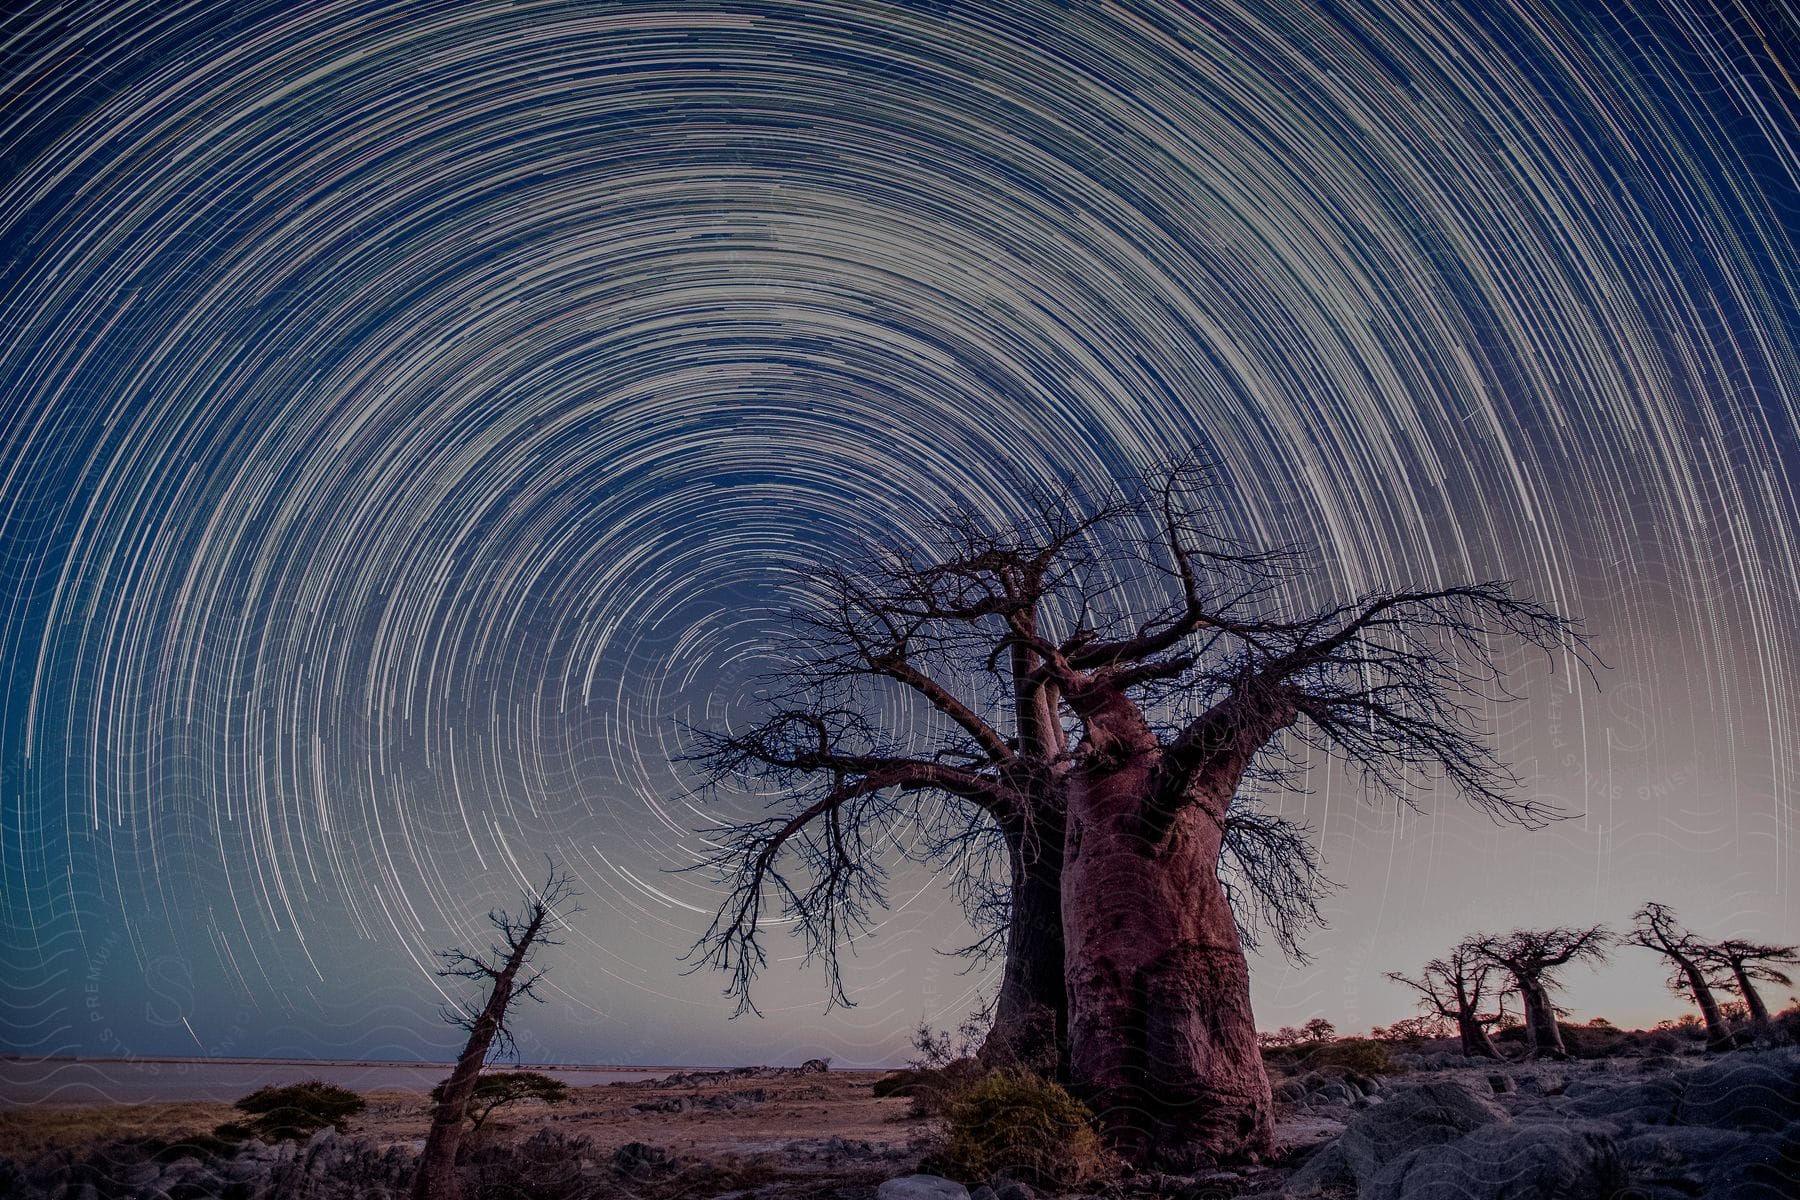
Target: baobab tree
1456 986
1751 961
1533 957
502 970
983 786
1655 928
1100 692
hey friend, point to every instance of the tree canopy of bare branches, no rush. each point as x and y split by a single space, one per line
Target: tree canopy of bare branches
1750 962
1087 704
1654 927
1534 958
1456 986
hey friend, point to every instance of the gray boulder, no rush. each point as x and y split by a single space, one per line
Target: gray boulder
1735 1093
1506 1162
1324 1174
1699 1161
1290 1091
1702 1161
1425 1114
636 1160
921 1187
1641 1102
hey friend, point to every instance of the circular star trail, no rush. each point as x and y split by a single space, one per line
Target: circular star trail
416 415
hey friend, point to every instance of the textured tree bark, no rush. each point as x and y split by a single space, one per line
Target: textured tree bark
1031 1013
1753 1001
436 1178
1162 1038
1474 1035
1475 1040
1540 1020
1718 1030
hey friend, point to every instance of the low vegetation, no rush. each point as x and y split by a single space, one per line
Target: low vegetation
1023 1126
942 1067
494 1089
1362 1056
293 1112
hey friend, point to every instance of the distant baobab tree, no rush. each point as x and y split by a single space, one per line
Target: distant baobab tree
502 970
1093 695
1456 986
1751 961
1533 958
1655 928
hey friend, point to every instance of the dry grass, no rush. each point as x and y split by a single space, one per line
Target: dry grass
28 1131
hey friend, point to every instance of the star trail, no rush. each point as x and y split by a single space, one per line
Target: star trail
416 415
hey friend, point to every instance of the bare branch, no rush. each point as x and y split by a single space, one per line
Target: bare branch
1536 954
1272 877
975 672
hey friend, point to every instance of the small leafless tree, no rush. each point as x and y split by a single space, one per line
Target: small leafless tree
1457 986
1533 958
503 972
1655 928
1090 700
1749 962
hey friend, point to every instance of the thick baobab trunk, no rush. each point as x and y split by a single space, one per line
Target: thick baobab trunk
1718 1030
1031 1013
1758 1012
1470 1029
1161 1037
1474 1036
1540 1019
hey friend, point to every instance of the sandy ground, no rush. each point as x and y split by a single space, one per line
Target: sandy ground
745 1114
743 1129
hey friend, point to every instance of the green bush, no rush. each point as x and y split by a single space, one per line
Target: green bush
294 1112
1030 1128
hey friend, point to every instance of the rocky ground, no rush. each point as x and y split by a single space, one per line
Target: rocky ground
1724 1127
1663 1127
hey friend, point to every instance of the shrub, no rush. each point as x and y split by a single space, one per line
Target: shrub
1030 1128
294 1112
1415 1030
1574 1036
1027 1046
934 1048
494 1088
931 1088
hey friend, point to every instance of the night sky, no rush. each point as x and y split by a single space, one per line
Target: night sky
416 417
